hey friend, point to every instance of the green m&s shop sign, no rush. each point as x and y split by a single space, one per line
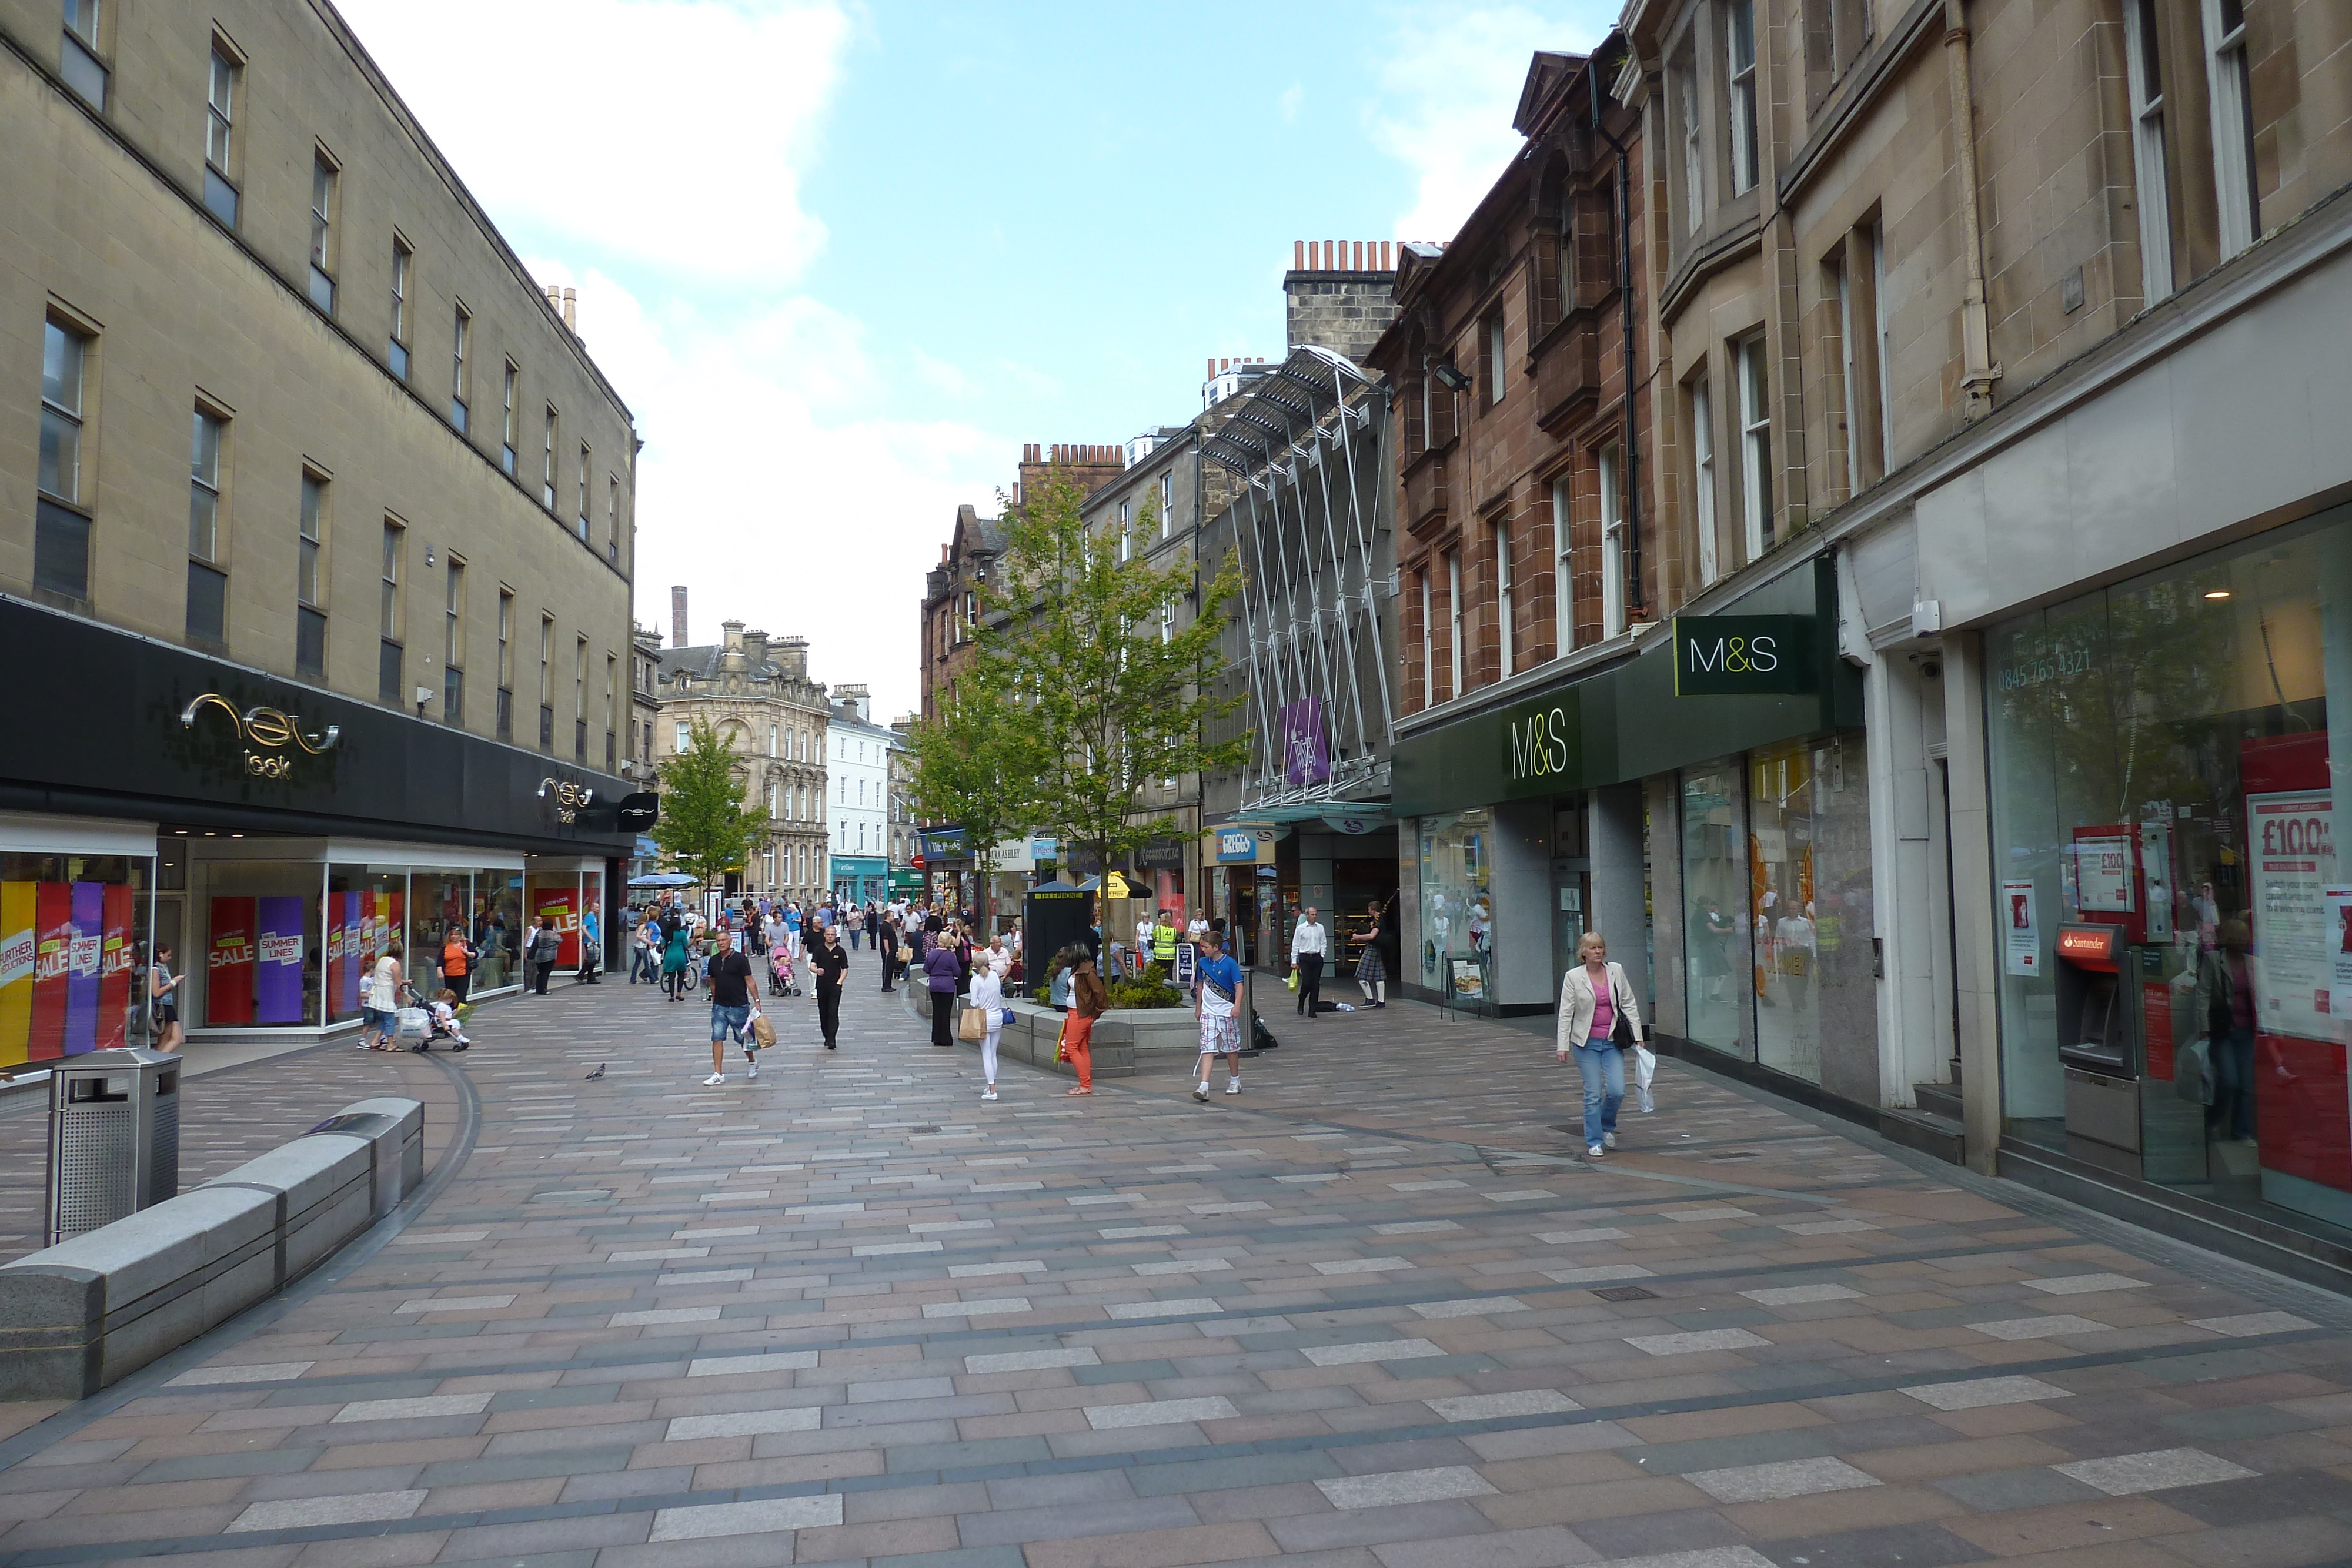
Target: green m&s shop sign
1743 656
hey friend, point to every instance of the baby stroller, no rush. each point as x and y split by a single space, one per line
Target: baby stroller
420 1037
780 978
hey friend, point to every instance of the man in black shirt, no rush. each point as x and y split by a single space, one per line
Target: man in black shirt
831 961
730 1006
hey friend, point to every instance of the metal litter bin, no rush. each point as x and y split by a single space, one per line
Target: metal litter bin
114 1137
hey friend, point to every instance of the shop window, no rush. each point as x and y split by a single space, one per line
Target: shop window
2161 760
1456 959
263 944
1715 898
74 951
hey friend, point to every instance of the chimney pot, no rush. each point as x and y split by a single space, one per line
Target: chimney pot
572 312
1299 255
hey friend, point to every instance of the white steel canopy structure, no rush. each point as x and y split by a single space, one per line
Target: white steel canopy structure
1310 522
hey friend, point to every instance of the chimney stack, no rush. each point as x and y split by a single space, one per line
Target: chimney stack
677 617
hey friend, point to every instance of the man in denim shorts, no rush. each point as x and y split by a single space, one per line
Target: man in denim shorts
730 1006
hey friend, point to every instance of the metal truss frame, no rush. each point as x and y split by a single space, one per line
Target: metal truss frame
1307 526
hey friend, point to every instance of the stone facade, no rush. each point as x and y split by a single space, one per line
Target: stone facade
1338 295
439 567
776 719
1520 478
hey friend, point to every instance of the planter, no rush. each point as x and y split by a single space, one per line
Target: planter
1127 1043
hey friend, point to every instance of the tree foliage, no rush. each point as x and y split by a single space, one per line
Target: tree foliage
974 763
1116 695
705 829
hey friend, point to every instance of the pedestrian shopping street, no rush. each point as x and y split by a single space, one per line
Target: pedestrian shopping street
1372 1312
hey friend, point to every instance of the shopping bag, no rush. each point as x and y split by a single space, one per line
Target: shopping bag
972 1025
1293 981
1007 1019
412 1023
2193 1072
764 1033
1062 1052
1646 1067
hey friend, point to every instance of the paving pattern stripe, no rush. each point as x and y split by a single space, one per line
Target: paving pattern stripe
153 1378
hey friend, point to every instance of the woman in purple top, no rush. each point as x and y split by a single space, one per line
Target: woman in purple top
941 969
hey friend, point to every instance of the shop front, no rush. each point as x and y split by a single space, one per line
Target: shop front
263 841
858 878
1702 805
2174 949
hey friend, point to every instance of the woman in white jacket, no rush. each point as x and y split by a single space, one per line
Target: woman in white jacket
988 994
1596 1009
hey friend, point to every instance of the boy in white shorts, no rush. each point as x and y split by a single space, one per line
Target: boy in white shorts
1216 1002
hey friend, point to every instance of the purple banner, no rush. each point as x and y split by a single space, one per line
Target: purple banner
277 982
1304 758
81 966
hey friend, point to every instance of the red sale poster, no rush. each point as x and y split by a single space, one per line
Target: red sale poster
228 982
117 958
52 962
556 903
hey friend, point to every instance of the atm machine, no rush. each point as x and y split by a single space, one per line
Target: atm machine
2113 995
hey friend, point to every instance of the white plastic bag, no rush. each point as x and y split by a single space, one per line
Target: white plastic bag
412 1024
1646 1067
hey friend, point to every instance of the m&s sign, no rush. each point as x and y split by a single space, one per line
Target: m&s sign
1742 655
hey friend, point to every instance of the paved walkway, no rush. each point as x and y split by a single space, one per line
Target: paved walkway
1370 1314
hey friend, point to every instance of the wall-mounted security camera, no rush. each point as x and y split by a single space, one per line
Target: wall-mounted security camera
1931 669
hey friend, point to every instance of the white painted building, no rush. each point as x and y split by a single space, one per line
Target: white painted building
857 806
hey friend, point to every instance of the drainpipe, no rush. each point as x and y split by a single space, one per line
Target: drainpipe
1977 370
1634 601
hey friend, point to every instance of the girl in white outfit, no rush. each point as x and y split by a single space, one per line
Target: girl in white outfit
988 994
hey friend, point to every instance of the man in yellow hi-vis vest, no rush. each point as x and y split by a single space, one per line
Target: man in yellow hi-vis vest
1163 942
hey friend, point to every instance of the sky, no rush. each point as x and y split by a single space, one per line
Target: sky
842 258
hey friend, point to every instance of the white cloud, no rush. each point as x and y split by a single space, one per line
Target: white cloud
1447 90
669 131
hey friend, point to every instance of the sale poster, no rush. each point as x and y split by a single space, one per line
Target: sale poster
116 959
2338 903
555 904
2020 927
278 978
52 958
16 947
2295 934
82 950
229 964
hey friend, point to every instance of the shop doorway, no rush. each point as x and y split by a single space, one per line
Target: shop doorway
171 930
1571 885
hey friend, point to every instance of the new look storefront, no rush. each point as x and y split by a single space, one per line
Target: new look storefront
274 839
1703 804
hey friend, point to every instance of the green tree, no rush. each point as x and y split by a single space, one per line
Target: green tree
1114 697
705 829
975 765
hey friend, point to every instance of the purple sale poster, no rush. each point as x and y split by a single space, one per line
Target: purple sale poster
277 982
350 992
81 966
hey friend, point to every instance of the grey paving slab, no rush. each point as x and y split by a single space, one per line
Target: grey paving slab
574 1353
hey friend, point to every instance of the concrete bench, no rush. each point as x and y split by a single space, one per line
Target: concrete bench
89 1311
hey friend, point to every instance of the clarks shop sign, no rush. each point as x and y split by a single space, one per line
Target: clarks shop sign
1743 656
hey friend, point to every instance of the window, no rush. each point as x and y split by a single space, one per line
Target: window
507 427
506 663
580 701
396 354
458 389
1883 343
1497 374
1563 565
2141 63
1612 544
612 520
612 708
453 646
2233 125
309 612
61 532
546 464
323 180
388 683
547 683
78 60
1739 46
584 492
220 135
1710 563
208 584
1167 504
1503 596
1693 151
1755 447
1454 620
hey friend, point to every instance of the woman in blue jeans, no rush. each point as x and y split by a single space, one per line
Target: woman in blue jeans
1597 1008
